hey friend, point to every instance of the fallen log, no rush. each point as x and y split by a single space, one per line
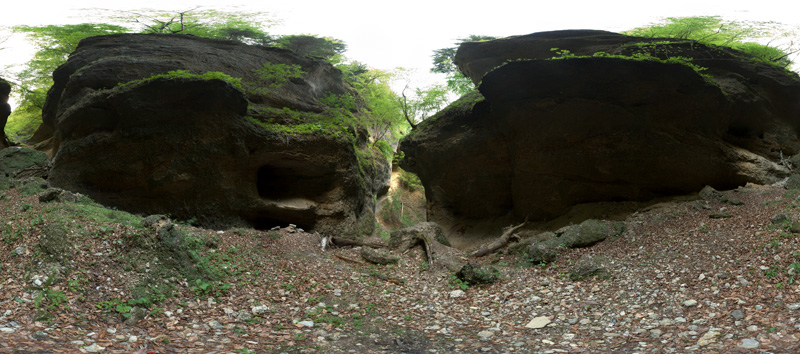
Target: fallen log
342 242
500 242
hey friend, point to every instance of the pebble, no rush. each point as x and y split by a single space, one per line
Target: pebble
737 314
457 294
793 307
752 328
94 348
485 335
690 303
538 322
708 338
309 324
6 330
257 310
215 325
748 343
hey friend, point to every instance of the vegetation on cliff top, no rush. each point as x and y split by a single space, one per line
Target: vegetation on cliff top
714 31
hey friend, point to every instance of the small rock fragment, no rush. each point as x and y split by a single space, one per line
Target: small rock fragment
485 335
748 343
690 303
94 348
457 293
708 338
257 310
538 322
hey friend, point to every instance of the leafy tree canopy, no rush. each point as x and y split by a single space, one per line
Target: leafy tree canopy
247 28
443 63
382 114
740 35
53 44
421 103
312 46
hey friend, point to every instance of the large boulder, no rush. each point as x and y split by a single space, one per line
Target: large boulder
265 153
543 135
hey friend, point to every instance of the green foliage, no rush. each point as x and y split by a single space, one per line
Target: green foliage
53 44
640 56
384 148
203 288
409 180
272 76
713 30
27 117
312 46
185 74
443 63
343 101
380 111
117 306
90 210
248 28
458 283
424 103
288 122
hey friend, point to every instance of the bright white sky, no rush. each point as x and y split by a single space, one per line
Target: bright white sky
403 33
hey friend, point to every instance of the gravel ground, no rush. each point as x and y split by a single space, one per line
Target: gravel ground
686 277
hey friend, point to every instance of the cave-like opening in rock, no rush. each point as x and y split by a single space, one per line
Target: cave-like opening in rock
267 222
292 181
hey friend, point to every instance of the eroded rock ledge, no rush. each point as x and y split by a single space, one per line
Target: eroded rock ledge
205 148
542 136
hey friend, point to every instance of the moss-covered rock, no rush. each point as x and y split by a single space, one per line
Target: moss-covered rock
16 162
54 244
544 252
475 274
590 265
590 232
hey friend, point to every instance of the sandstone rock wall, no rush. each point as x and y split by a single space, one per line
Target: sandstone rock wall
542 136
193 148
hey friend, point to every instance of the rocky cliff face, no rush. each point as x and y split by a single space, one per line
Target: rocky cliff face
205 148
5 110
544 135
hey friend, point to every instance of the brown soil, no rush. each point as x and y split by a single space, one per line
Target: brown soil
681 282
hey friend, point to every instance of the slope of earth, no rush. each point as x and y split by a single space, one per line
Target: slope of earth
680 282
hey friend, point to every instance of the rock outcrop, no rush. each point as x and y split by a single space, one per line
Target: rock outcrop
207 148
542 135
5 111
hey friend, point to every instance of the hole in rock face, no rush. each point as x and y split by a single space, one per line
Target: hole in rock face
265 222
283 182
292 191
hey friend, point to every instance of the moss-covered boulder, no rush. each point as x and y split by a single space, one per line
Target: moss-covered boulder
590 232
